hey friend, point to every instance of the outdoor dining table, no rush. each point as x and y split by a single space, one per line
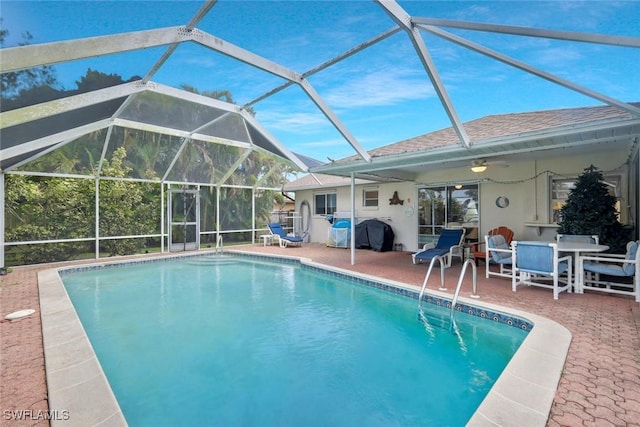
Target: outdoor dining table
577 248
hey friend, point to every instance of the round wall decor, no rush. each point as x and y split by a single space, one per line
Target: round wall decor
502 202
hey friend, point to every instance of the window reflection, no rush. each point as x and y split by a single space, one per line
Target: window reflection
447 206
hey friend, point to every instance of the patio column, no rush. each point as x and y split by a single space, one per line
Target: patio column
96 225
353 219
2 195
163 216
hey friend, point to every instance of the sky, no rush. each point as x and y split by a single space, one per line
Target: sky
381 94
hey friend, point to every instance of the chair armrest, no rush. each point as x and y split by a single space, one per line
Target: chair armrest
567 258
489 250
475 247
456 248
607 258
428 246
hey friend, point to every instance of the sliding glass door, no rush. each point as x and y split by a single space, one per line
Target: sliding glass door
447 206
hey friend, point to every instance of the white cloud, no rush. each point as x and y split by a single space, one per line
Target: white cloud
558 56
389 86
290 120
334 142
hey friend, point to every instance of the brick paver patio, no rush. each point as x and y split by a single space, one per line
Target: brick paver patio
600 385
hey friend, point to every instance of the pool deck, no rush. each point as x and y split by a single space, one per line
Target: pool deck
600 383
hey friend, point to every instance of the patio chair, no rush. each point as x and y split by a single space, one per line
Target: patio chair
283 239
499 252
578 238
479 249
622 272
450 244
535 263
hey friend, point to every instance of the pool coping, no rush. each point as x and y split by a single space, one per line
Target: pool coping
522 395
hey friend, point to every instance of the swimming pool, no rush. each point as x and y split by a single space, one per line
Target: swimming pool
239 341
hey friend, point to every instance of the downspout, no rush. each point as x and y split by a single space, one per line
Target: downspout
535 189
287 196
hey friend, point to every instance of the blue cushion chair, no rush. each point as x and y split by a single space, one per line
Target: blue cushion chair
499 252
450 244
283 239
616 274
578 238
539 264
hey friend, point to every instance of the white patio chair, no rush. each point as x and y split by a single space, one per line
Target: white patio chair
535 263
578 238
610 273
498 251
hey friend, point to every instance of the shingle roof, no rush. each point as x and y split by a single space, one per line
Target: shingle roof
503 125
311 181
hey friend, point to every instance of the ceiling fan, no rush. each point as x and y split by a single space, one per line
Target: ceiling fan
480 165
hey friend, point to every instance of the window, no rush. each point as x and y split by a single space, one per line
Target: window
325 203
560 189
444 206
370 197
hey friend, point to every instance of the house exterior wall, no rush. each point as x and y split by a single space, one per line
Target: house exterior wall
526 184
404 226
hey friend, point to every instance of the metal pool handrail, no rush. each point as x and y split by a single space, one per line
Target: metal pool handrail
219 244
426 278
459 285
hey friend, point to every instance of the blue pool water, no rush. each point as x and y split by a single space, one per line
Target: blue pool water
242 342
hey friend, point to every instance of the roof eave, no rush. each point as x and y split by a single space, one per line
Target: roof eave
546 139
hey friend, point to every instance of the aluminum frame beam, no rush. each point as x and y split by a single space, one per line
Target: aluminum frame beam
327 64
201 13
47 141
532 70
532 32
403 19
252 59
34 112
288 153
63 105
23 57
29 56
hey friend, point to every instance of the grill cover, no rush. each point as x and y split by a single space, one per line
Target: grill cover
374 234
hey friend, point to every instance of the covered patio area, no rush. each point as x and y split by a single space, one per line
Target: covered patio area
599 386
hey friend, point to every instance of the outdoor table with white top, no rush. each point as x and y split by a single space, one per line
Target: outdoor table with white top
577 248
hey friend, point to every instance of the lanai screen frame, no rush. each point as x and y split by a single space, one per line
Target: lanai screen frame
242 140
265 182
50 53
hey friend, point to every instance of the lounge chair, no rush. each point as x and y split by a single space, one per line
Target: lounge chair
450 244
611 273
533 262
283 239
